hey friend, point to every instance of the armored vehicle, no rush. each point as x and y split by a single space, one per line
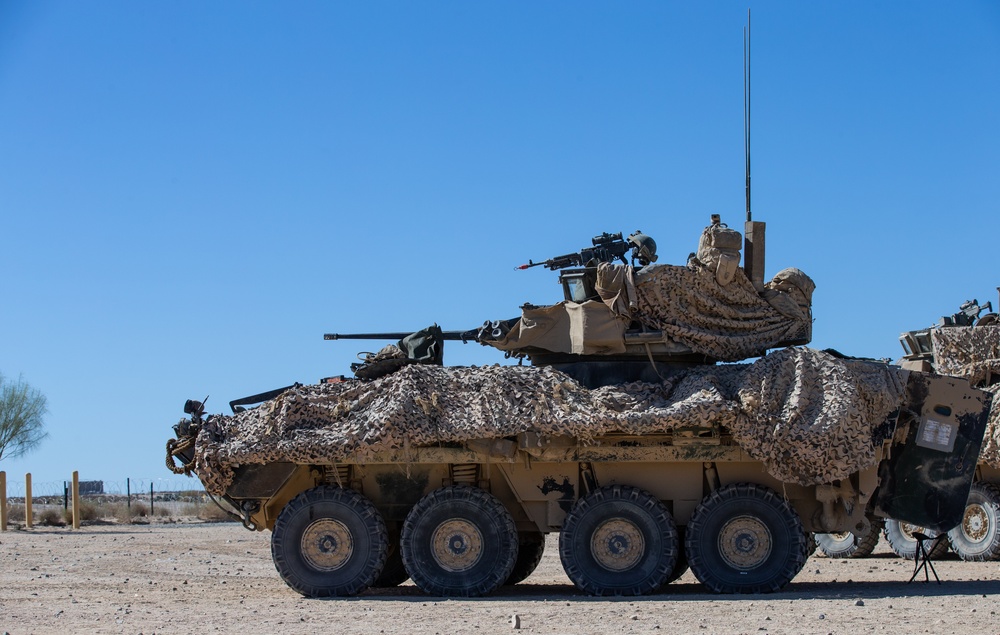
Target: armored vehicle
968 348
631 432
965 344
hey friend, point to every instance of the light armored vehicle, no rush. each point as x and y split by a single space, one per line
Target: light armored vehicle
965 344
632 432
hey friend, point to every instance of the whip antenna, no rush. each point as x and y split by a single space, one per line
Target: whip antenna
746 106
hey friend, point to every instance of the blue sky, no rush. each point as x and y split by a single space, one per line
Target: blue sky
193 193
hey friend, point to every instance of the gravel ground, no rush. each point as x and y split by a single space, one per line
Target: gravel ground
218 578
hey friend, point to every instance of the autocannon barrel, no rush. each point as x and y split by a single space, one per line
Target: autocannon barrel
455 336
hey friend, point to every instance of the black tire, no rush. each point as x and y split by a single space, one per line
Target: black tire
681 565
744 538
329 542
977 537
619 540
899 535
531 546
809 545
393 573
847 545
459 541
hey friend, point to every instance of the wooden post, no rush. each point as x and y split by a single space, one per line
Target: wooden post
3 501
76 500
28 516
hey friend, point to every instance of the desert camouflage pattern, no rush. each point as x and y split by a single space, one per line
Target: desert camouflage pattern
807 415
973 352
728 322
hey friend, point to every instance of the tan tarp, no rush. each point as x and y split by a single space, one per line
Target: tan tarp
587 328
809 417
974 353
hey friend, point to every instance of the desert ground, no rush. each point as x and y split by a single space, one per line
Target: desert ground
218 578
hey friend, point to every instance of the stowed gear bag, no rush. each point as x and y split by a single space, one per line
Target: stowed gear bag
719 250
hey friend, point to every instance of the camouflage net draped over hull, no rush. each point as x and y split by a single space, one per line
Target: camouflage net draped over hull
974 353
808 416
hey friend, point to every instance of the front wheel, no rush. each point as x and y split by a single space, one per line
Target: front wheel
459 541
977 538
329 542
619 540
744 538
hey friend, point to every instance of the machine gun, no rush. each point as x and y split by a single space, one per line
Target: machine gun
606 248
968 314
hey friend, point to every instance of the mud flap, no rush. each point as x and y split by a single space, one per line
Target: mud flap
932 461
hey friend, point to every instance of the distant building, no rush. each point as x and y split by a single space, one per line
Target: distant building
90 488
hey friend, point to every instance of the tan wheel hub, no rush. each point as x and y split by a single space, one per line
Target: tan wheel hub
327 544
975 524
457 545
745 543
617 545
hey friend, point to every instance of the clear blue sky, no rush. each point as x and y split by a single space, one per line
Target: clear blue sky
192 193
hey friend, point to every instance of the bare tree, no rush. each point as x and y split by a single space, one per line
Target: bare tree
21 411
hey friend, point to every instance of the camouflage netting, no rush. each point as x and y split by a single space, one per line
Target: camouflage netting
727 322
808 416
974 353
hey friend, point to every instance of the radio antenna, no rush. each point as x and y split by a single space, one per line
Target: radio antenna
746 106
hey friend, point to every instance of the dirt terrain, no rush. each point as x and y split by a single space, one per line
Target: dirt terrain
218 578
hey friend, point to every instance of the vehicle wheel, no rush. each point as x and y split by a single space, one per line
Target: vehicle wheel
531 545
329 541
744 538
681 566
459 541
809 545
976 538
619 540
899 535
393 573
847 545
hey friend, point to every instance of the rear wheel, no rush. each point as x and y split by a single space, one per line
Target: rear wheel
899 535
744 538
328 542
848 545
618 540
531 546
977 537
459 541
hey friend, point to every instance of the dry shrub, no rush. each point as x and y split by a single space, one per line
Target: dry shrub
15 513
210 512
51 518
